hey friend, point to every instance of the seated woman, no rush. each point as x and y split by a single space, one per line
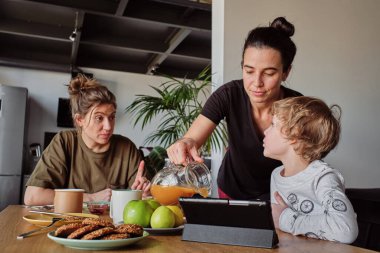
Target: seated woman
91 157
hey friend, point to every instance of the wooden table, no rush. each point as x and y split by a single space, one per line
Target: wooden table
12 224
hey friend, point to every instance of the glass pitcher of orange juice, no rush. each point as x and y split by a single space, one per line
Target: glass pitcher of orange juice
175 181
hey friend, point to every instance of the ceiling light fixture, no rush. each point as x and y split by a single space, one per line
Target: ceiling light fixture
73 35
153 69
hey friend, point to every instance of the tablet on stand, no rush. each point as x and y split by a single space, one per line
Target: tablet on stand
233 222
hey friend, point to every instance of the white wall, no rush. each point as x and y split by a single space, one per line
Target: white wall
46 87
217 55
338 60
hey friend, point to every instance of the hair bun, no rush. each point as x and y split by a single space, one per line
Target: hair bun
283 25
74 86
79 83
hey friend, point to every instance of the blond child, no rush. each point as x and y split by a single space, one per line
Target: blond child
307 195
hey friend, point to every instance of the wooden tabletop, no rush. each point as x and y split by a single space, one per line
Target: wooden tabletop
12 224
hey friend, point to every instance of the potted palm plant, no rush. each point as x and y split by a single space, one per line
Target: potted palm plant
178 103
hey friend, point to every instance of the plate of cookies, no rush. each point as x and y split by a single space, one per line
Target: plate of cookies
97 234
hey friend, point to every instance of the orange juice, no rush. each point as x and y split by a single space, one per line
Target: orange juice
168 195
203 192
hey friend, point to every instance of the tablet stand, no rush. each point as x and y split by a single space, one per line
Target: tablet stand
264 238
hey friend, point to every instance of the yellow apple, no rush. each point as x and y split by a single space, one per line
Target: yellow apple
178 215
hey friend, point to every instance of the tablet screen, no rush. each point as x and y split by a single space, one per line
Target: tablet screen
230 213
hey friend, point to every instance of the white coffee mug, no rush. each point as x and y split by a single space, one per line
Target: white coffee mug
119 199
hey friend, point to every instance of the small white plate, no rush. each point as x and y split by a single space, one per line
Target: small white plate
95 244
164 231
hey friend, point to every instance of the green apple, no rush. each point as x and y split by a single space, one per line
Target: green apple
137 212
153 203
162 217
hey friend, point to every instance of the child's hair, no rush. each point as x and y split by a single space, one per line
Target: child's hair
86 93
314 125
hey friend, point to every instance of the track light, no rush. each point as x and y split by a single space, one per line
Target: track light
153 69
74 34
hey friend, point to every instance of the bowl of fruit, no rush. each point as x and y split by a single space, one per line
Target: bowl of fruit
154 217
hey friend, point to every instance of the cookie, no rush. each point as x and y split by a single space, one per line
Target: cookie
82 231
72 219
98 233
115 236
133 229
65 230
98 222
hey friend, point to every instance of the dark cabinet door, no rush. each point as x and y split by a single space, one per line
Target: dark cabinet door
9 191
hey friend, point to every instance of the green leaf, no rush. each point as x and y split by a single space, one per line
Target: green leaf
178 103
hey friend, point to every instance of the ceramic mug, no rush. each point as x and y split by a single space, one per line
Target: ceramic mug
68 200
119 199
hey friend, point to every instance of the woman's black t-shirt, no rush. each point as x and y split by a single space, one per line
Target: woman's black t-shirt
245 172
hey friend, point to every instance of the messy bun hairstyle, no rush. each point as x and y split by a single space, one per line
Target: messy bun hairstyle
277 36
86 93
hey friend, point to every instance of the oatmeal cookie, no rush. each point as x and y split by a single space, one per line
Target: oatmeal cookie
71 219
98 222
98 233
82 231
133 229
115 236
65 230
